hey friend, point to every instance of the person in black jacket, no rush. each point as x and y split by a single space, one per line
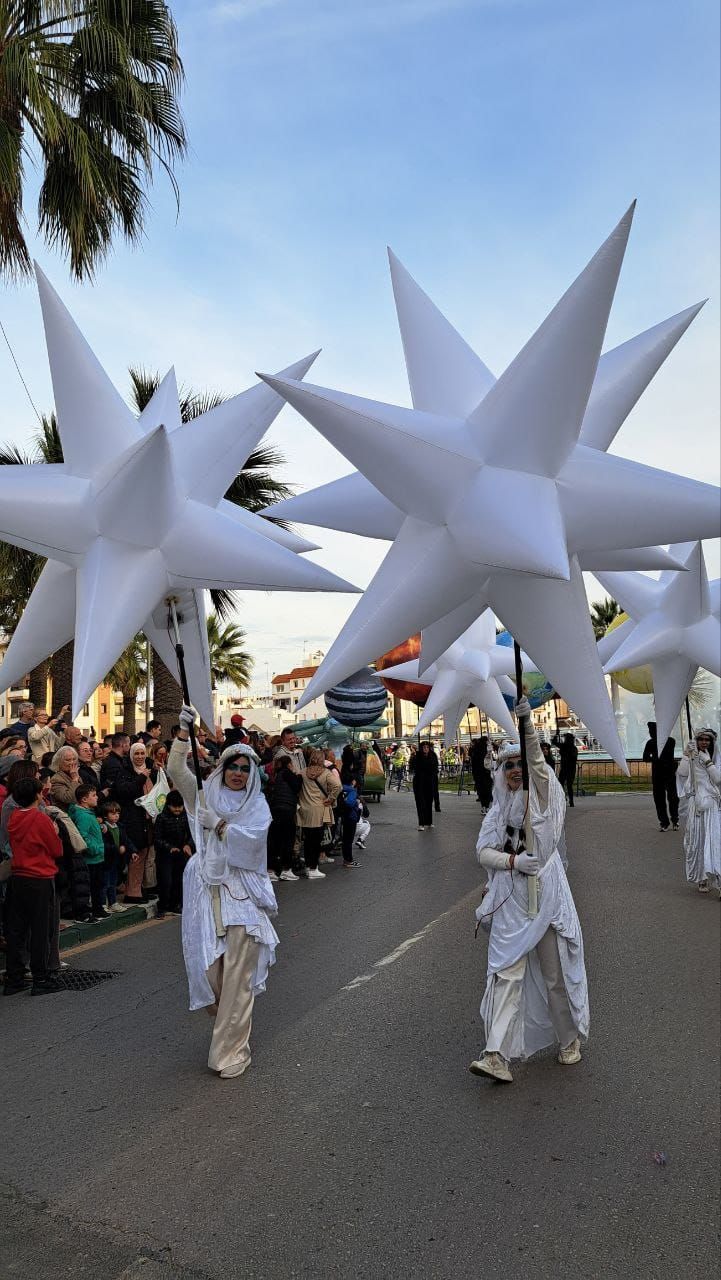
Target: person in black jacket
116 764
663 777
424 767
568 752
173 846
282 798
482 780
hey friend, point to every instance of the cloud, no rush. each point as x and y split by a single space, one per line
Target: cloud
328 18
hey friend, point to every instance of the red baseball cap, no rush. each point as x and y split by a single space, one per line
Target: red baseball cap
237 721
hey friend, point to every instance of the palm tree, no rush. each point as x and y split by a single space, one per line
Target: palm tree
603 613
254 488
228 659
91 89
127 676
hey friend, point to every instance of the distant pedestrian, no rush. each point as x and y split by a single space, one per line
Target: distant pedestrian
569 763
282 798
663 777
83 815
173 846
318 794
424 770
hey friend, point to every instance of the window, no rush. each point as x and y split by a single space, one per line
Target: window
103 708
86 710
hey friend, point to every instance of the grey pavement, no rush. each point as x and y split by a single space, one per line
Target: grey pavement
358 1145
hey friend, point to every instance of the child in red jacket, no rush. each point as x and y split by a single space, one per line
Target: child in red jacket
36 850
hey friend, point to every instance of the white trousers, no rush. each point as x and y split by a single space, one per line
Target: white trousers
362 831
231 977
507 990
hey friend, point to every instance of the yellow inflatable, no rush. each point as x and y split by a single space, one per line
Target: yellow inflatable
634 679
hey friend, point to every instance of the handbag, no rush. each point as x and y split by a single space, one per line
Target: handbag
154 802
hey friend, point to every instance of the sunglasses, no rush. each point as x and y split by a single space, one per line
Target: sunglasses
238 768
511 764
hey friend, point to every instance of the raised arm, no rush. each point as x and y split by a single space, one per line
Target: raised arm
183 778
537 767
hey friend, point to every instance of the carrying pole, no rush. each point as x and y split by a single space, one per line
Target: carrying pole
528 828
180 657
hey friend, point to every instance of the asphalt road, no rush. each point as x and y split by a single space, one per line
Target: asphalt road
358 1145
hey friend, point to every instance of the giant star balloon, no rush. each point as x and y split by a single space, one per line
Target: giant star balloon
674 625
495 487
135 514
474 669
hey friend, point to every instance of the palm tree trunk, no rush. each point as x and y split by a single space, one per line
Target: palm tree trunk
129 713
167 695
63 677
38 684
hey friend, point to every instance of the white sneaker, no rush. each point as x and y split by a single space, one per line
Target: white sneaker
288 875
315 874
272 877
492 1064
571 1054
421 828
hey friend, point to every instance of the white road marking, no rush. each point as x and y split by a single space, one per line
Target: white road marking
396 954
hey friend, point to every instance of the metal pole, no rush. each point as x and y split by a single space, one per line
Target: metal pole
532 882
688 720
180 656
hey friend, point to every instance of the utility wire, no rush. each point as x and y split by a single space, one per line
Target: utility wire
17 366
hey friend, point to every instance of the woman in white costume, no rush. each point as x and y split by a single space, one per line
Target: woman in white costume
228 939
699 783
536 992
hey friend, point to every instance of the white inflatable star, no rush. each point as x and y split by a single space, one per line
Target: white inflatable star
135 514
493 483
474 669
674 625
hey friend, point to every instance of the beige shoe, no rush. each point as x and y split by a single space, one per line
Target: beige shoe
230 1073
492 1064
571 1054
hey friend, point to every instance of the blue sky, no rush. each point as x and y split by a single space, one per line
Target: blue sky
492 143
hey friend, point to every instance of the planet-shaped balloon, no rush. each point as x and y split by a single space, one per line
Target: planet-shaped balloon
408 690
536 686
634 679
358 700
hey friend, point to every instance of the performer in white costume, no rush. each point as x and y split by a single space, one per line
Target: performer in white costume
536 993
228 939
699 783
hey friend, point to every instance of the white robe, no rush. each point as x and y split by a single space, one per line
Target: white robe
700 793
237 864
513 934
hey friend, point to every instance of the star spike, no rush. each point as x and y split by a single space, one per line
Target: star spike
45 626
138 580
544 392
445 375
397 448
350 504
536 616
203 549
163 407
623 375
221 440
82 390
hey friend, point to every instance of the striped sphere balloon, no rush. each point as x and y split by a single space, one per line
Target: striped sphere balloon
358 700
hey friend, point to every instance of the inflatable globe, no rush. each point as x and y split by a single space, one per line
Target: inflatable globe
633 679
408 690
536 687
357 701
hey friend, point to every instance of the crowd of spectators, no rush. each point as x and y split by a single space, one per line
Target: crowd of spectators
79 843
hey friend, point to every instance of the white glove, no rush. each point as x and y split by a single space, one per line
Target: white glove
690 750
704 758
208 818
526 863
186 717
523 707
